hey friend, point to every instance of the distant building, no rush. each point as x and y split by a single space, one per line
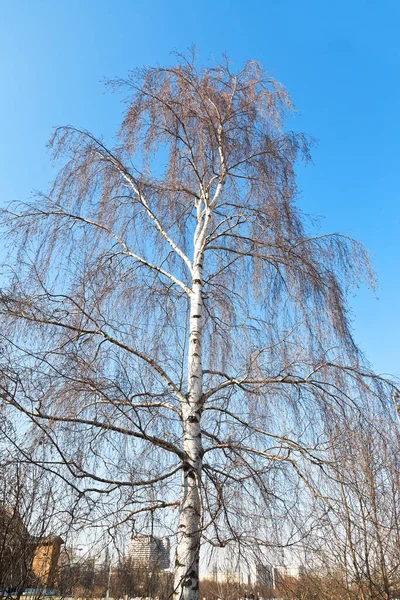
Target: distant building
273 576
265 575
150 551
45 560
25 559
230 577
284 572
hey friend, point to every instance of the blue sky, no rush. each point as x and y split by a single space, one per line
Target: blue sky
339 59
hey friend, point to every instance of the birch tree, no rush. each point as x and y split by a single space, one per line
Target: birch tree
171 328
359 512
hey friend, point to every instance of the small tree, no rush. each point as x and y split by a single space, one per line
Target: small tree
169 323
27 509
358 515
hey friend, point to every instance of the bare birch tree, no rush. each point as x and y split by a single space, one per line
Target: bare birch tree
170 327
358 533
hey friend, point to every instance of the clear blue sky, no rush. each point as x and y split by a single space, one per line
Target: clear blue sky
339 59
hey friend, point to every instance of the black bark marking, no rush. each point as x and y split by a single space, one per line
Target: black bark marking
188 580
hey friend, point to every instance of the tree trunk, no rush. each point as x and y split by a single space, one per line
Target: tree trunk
186 584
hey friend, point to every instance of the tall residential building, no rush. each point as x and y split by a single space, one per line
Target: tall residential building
231 577
282 573
265 575
273 576
150 551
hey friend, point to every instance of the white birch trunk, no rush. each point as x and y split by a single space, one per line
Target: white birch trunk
186 584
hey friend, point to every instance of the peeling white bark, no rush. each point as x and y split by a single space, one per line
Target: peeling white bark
189 530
